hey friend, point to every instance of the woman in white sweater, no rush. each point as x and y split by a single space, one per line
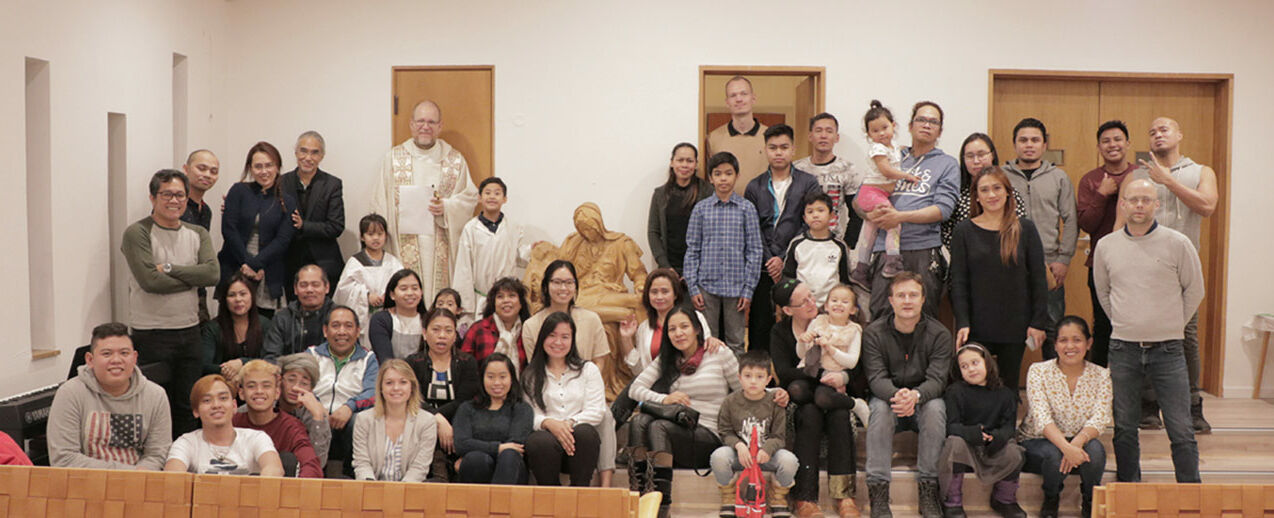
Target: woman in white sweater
685 374
396 443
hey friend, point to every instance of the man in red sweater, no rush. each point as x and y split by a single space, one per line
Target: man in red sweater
259 387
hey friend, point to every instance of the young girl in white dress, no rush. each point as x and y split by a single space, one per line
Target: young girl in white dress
362 284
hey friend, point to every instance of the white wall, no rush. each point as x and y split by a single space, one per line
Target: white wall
103 57
592 95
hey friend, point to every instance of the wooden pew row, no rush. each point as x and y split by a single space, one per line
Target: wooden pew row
1128 500
56 492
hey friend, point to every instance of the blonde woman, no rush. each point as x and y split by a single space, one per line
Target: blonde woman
396 443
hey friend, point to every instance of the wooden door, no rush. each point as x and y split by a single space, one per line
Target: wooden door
466 95
1073 106
806 109
1069 110
1193 106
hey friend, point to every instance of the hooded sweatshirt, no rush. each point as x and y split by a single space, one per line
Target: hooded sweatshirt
89 428
1050 198
939 187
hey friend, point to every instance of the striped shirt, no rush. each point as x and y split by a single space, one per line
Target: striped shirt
392 469
723 247
716 377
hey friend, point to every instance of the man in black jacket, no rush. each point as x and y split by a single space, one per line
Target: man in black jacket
320 215
906 356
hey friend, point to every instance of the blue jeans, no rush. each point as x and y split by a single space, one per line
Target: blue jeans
1163 365
929 422
1043 458
725 463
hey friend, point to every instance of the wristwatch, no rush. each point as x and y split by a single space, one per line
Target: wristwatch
168 267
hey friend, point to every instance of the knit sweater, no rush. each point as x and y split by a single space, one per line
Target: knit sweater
1150 285
717 376
997 302
739 415
974 409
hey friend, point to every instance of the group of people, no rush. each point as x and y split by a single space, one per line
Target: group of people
759 304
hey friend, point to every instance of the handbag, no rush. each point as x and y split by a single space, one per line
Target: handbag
677 413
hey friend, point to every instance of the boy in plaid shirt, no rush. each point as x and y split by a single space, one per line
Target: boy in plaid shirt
723 253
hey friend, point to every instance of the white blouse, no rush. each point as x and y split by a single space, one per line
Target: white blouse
576 394
1050 401
638 358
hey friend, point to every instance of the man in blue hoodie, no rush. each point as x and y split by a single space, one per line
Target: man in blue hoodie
923 207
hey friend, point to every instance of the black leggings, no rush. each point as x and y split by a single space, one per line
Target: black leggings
820 412
690 449
547 458
1008 359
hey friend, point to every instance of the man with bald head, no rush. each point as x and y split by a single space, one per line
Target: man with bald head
425 163
202 169
1149 280
743 136
1187 194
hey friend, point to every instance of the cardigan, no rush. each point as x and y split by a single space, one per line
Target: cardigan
244 202
482 429
656 221
420 435
465 381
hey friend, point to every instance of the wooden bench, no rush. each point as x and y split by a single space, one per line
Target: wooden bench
39 492
1128 500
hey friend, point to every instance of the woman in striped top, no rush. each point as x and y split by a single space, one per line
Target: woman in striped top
685 373
397 443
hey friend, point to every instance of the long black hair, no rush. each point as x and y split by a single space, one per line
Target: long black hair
966 178
509 284
993 380
669 356
393 284
252 339
552 268
482 400
535 373
678 292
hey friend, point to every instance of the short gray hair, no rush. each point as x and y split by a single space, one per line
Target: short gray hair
315 135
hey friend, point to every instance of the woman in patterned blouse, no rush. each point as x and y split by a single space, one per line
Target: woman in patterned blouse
1069 405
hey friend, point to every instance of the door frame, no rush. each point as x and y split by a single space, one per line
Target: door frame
818 73
394 105
1219 222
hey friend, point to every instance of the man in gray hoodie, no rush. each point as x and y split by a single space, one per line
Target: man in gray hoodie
1050 203
110 416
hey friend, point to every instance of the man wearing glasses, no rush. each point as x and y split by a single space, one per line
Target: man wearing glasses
1149 280
923 207
169 260
425 171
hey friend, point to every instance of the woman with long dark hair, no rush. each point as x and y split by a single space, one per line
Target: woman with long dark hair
395 332
492 429
998 290
977 153
671 204
257 227
639 342
569 400
447 377
685 373
235 336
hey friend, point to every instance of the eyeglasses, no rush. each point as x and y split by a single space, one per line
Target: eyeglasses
171 195
1140 200
977 156
926 120
420 123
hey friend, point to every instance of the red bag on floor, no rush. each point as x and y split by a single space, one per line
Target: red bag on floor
749 494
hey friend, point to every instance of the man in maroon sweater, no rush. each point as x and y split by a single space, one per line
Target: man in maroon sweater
1097 200
259 387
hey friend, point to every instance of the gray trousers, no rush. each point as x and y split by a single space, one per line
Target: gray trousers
726 322
930 421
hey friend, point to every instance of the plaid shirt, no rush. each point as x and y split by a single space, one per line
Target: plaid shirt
723 247
482 337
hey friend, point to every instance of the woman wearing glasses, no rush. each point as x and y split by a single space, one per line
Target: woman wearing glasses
977 153
257 227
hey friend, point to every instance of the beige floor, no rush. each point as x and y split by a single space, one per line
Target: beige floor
1240 450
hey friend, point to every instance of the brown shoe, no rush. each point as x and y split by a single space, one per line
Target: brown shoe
807 509
847 508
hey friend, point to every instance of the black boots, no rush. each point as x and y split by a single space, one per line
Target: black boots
1201 425
929 502
878 495
663 484
1049 509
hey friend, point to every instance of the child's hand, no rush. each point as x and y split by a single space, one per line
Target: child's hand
913 179
986 437
807 337
745 457
698 302
762 457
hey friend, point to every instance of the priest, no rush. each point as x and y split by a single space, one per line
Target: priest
425 193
